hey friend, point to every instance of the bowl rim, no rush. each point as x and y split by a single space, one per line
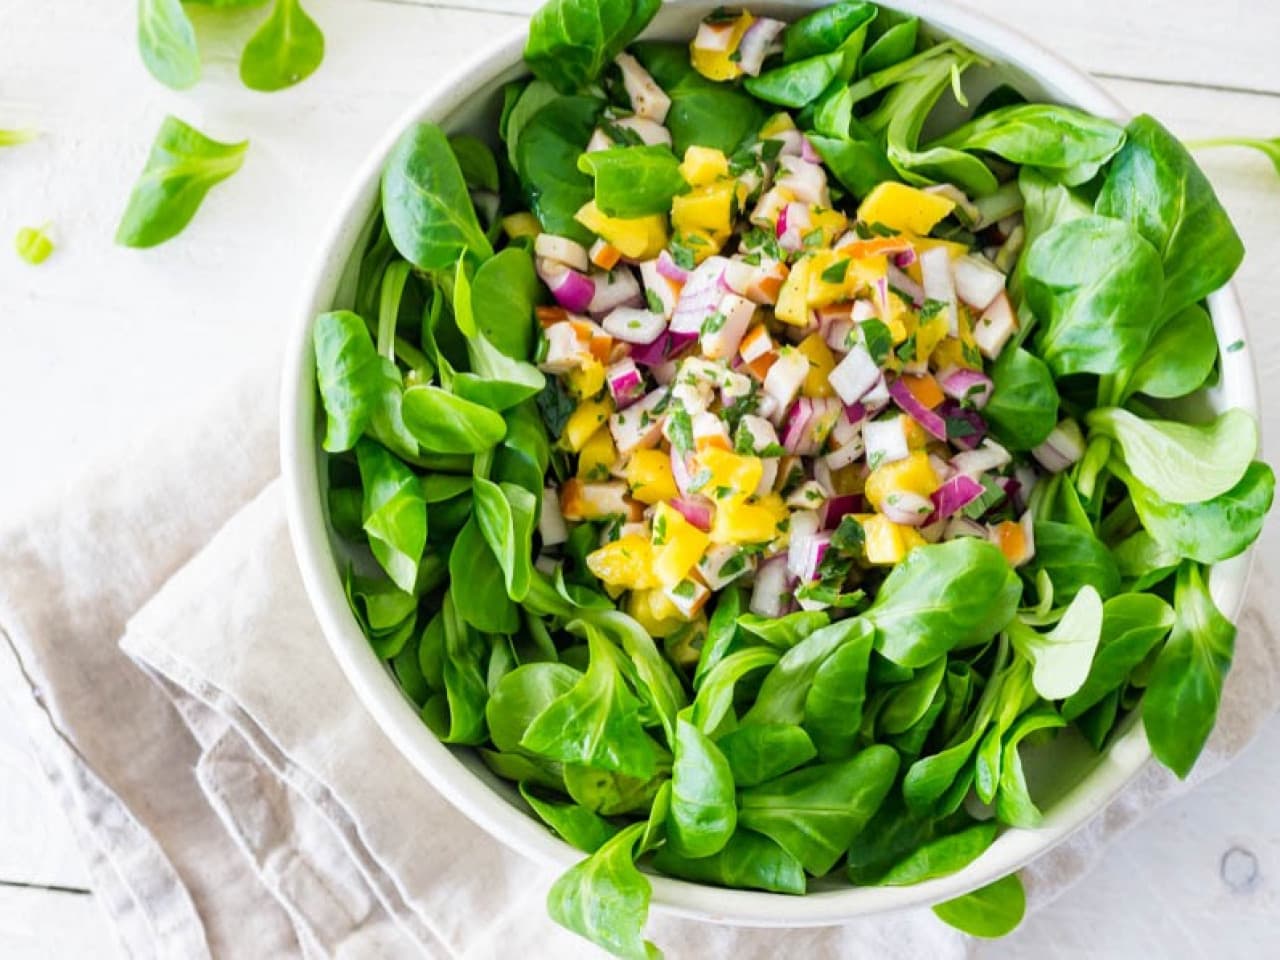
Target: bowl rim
436 762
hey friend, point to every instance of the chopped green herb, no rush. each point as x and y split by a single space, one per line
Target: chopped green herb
836 272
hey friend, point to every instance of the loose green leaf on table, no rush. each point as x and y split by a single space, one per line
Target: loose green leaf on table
33 244
167 42
285 50
606 899
182 167
990 911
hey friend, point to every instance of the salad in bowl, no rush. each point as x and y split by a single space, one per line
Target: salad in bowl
755 447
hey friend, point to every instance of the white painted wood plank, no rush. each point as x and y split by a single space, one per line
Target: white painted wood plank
1227 43
40 925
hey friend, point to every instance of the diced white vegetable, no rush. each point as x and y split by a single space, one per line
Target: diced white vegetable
724 563
664 373
995 326
794 223
760 430
715 37
766 282
687 596
845 454
1063 447
791 141
769 596
565 349
877 398
709 428
768 476
650 133
617 288
935 269
808 496
804 524
853 376
699 297
757 43
977 282
784 378
545 564
734 387
633 325
886 440
806 181
846 429
599 141
561 250
757 346
720 337
989 456
647 98
551 526
907 508
693 395
639 528
638 427
737 276
770 205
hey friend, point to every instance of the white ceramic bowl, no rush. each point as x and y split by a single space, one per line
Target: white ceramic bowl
1074 784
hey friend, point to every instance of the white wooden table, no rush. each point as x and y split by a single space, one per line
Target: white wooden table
101 343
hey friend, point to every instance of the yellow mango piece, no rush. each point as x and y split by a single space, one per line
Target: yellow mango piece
703 244
744 521
650 478
951 353
821 363
832 223
640 238
582 424
677 545
732 474
720 64
641 606
521 225
930 333
776 124
913 474
626 562
922 244
793 300
887 542
708 208
917 437
903 208
597 456
703 165
586 380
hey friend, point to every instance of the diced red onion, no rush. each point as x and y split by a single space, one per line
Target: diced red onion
822 477
803 527
954 495
815 550
670 269
625 383
700 296
794 434
790 142
757 43
907 508
664 373
618 288
807 153
907 402
667 346
697 510
806 180
837 507
1063 447
905 258
951 412
968 386
572 290
900 281
633 325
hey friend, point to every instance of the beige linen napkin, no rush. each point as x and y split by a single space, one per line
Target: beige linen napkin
232 796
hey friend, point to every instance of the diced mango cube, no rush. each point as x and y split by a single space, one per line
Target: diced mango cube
597 456
917 437
703 165
708 209
702 243
793 299
900 207
650 478
586 380
521 225
640 238
832 223
887 542
720 64
1011 537
626 562
731 474
744 521
821 362
582 424
652 610
677 545
913 474
776 124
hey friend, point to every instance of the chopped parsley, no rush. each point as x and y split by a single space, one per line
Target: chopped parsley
714 323
812 239
931 308
681 254
685 590
653 301
699 480
624 136
906 351
659 529
848 536
1235 346
681 428
555 405
991 497
836 272
878 340
959 427
733 566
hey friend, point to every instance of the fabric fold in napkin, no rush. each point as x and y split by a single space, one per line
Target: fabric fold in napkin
234 799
